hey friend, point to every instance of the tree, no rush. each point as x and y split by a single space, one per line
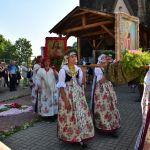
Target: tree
24 50
7 50
74 46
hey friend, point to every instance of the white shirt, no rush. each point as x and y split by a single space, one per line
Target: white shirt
24 70
62 75
35 69
98 73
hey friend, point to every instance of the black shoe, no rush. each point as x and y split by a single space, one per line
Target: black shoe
114 134
52 119
83 145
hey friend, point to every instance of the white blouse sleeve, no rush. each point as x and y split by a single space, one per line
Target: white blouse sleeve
61 78
147 80
80 76
98 73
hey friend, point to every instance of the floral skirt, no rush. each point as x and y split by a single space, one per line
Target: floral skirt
145 119
75 125
106 115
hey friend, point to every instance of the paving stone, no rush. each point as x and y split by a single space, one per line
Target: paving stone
43 135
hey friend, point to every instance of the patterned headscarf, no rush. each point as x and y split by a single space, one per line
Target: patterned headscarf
101 58
69 53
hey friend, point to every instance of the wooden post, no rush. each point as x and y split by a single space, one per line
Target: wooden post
79 49
117 37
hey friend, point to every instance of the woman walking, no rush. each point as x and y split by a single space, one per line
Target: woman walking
34 93
47 91
105 113
74 119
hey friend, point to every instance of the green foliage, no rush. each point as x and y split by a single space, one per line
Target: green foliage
7 50
133 59
4 109
74 46
57 63
24 50
4 134
21 51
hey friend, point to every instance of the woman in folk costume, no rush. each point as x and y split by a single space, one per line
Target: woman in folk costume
36 67
74 119
145 104
104 103
47 90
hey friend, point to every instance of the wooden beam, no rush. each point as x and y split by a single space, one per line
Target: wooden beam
83 20
93 33
111 15
86 26
79 50
108 31
91 44
79 14
100 42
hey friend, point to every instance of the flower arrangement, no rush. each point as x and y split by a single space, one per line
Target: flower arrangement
14 105
13 109
133 59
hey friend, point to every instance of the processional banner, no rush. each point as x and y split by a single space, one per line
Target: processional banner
55 47
126 33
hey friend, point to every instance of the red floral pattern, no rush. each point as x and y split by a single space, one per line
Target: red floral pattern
106 114
76 125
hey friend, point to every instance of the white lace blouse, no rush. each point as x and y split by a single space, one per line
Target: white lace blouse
98 73
62 75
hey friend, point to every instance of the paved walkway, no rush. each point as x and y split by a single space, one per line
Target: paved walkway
21 96
43 135
6 95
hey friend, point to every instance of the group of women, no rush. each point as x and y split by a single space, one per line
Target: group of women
62 94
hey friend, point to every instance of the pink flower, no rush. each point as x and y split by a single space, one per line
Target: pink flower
15 105
133 51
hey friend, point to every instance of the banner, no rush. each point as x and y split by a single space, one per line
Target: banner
55 47
126 33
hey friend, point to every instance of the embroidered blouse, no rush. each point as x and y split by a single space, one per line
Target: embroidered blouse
63 77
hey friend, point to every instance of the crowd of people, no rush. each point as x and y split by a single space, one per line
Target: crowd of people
11 74
60 95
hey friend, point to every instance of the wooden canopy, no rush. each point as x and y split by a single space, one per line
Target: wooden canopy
83 22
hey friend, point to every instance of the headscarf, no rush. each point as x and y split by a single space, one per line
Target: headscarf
38 59
43 61
101 58
69 53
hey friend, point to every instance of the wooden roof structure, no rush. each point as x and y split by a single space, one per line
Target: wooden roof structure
107 5
84 22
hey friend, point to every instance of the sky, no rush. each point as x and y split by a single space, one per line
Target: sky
32 19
